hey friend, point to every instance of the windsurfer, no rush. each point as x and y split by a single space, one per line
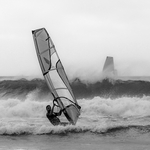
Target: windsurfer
53 116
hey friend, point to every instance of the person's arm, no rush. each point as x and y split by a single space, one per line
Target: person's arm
54 104
59 113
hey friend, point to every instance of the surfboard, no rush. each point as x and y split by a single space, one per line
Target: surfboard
55 75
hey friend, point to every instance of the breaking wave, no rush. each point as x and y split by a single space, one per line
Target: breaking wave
106 88
45 130
98 116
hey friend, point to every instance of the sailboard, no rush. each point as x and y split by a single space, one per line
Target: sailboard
55 76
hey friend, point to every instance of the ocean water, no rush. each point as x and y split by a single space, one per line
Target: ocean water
115 116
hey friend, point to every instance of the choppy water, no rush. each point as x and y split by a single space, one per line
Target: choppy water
117 116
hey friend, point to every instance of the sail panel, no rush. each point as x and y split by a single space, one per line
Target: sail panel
65 79
59 86
44 49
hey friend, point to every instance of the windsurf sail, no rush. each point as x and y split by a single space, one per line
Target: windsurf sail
55 76
109 69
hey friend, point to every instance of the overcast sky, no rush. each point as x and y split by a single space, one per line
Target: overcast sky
83 31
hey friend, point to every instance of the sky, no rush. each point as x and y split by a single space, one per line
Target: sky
84 32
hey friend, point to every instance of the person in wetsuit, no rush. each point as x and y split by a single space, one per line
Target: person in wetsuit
53 116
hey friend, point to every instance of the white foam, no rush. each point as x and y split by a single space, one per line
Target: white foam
123 107
97 114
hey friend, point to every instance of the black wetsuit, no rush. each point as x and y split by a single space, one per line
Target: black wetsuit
53 118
